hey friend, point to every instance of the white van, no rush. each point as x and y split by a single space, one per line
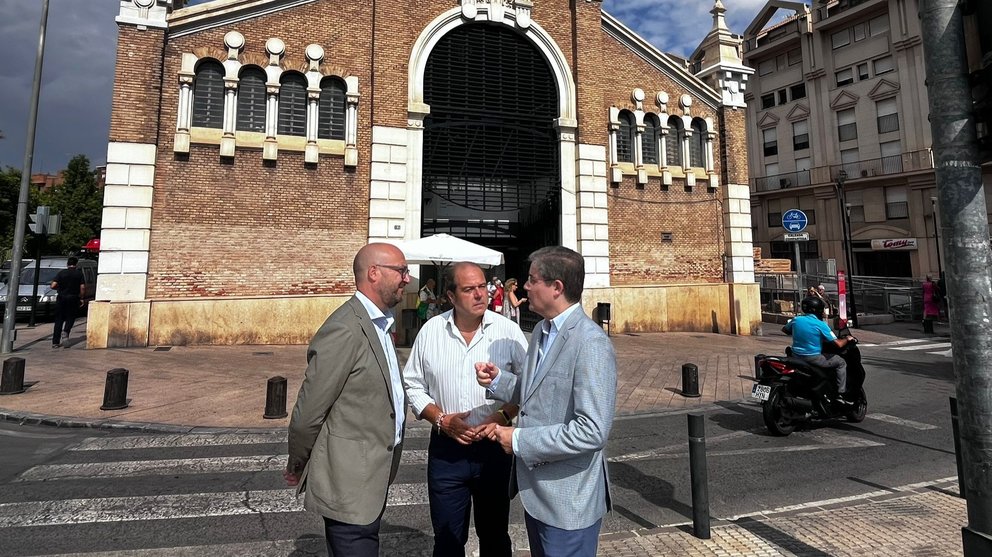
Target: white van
49 267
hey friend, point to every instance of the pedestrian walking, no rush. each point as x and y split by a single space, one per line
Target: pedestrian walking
71 286
511 303
931 304
346 432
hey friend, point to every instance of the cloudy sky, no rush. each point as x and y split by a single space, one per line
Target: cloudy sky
80 47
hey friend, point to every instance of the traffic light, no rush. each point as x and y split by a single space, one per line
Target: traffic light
39 220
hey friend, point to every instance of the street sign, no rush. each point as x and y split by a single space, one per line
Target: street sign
794 220
796 237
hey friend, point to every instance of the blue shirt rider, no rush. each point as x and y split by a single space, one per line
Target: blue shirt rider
809 333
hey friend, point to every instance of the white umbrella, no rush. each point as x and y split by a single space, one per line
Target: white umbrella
444 249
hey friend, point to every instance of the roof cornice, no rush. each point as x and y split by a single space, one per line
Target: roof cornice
224 12
661 61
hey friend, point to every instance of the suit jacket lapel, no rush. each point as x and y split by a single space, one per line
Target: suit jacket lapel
556 348
372 336
530 374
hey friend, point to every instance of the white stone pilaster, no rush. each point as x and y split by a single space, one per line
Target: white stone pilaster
737 230
593 215
390 211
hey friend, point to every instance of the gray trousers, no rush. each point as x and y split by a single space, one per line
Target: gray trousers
835 363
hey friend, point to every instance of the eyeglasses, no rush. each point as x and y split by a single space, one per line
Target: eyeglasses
404 271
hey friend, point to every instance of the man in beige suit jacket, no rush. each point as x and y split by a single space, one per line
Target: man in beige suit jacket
346 433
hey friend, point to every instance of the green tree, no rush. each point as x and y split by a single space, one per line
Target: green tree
80 203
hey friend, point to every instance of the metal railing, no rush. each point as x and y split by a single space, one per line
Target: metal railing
835 8
869 168
900 297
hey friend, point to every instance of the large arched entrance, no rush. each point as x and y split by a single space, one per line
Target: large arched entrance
491 169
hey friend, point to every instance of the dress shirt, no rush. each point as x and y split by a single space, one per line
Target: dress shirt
441 367
383 322
547 342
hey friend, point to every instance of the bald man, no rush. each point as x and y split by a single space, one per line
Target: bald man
346 433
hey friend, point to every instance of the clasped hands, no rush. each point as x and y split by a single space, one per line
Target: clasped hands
485 373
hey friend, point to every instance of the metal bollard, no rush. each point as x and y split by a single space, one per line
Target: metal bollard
698 478
955 430
115 391
275 398
690 380
12 382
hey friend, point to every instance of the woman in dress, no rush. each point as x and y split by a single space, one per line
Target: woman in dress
511 305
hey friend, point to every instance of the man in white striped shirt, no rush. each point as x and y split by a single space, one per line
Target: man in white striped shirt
463 465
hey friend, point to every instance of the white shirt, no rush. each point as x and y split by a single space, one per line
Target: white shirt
441 367
383 322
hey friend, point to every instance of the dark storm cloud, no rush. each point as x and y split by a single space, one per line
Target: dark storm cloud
77 83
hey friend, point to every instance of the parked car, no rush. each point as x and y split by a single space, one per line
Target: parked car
50 266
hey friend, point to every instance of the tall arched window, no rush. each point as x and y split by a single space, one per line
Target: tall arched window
625 137
697 144
251 100
292 104
649 141
208 95
673 142
331 109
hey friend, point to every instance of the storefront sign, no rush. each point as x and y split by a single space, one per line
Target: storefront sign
897 243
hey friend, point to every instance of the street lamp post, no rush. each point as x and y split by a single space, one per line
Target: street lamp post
845 221
936 236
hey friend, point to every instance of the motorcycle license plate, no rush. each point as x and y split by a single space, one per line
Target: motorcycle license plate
761 392
23 308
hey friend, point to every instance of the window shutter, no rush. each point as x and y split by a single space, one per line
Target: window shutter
208 95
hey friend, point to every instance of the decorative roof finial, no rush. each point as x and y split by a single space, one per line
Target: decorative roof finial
719 22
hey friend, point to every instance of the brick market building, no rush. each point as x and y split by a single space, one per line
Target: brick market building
256 145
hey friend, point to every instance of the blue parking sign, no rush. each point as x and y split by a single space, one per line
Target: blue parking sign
794 220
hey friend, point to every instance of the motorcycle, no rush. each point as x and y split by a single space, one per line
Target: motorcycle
794 392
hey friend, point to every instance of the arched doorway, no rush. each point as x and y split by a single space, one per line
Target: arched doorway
491 169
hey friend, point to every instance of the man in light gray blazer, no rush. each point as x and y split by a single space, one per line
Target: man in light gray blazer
567 396
346 433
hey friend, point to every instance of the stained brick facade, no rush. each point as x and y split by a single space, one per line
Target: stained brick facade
243 226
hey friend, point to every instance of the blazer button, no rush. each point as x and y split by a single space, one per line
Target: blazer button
522 413
392 415
389 448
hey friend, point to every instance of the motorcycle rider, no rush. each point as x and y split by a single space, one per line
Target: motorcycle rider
809 332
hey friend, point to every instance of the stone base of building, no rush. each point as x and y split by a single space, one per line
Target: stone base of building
710 308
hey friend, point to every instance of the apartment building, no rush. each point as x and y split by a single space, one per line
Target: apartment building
838 128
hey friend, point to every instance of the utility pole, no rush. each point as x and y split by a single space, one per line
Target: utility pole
965 232
7 338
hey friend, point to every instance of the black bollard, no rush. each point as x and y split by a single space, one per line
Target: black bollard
115 391
697 477
955 430
275 398
12 381
690 380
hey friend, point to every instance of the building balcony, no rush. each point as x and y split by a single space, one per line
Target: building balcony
780 33
835 8
913 161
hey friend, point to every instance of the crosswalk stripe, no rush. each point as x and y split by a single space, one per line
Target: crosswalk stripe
301 546
172 507
924 347
199 440
901 421
906 341
175 466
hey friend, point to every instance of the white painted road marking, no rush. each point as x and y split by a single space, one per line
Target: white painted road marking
171 507
900 421
175 467
198 440
924 347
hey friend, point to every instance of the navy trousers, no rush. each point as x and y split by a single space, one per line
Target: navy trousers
457 476
352 540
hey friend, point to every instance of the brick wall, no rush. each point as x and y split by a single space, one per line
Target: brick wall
734 155
137 83
246 227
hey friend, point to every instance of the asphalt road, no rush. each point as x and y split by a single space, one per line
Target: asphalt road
71 491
